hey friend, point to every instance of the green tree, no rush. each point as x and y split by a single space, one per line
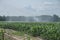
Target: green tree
2 18
55 18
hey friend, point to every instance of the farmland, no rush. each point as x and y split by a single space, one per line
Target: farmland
47 31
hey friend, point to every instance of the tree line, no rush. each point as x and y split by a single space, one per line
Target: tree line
55 18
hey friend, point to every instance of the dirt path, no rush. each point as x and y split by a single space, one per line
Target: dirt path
18 38
11 37
15 37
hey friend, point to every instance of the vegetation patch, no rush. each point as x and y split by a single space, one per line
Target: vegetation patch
47 31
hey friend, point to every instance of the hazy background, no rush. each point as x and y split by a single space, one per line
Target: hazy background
29 7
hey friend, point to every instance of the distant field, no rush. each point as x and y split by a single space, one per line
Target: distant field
47 31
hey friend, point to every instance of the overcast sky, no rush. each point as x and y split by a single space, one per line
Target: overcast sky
29 7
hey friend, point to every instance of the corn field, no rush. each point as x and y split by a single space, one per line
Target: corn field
47 31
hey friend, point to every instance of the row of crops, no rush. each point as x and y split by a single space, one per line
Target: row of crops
48 31
1 34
